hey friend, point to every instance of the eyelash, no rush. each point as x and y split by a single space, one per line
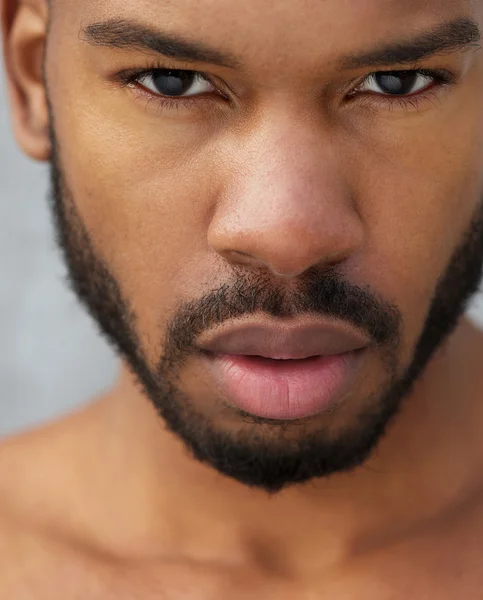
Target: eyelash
441 77
131 79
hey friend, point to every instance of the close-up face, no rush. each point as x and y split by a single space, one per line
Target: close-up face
277 163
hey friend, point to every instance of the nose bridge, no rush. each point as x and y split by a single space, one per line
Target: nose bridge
287 205
294 161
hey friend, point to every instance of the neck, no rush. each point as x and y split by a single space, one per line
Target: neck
423 469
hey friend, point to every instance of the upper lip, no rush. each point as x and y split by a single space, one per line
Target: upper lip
299 341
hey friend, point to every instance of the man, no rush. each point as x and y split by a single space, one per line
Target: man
274 212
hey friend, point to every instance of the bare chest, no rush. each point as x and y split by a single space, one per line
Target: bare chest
426 574
447 565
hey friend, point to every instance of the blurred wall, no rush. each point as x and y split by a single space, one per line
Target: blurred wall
51 356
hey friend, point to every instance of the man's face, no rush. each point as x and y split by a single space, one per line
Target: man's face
293 182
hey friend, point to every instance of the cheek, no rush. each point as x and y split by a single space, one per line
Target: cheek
144 200
418 203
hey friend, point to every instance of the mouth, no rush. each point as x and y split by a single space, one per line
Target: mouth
272 359
284 389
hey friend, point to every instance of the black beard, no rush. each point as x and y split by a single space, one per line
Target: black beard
261 454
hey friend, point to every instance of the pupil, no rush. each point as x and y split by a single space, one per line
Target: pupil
173 83
397 82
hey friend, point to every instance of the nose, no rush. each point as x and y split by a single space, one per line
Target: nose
287 206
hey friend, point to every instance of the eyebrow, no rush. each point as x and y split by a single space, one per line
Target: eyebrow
448 38
119 33
455 36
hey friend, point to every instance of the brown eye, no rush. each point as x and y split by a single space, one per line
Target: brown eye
396 83
175 83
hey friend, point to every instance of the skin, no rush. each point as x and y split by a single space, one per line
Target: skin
107 503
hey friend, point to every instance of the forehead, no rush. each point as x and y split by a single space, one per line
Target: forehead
269 17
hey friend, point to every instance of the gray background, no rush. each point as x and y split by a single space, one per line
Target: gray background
51 357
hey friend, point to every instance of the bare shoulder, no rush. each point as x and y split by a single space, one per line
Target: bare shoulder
34 466
43 470
37 488
36 564
25 471
47 546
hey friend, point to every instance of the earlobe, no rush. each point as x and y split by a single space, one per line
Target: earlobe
25 31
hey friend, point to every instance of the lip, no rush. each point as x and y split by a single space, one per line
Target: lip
284 390
301 340
317 363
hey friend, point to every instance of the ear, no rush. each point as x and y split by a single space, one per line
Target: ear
24 26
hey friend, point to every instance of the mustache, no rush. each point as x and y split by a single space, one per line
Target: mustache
326 294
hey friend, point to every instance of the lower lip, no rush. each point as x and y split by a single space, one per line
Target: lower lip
284 390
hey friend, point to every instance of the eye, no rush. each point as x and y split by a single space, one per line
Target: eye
175 83
398 83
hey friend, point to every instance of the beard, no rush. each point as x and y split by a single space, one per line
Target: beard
262 453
